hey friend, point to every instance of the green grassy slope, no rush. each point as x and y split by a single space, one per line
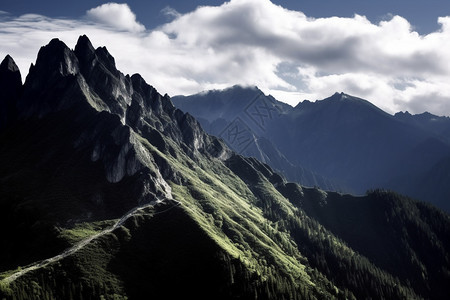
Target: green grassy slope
215 202
46 186
263 237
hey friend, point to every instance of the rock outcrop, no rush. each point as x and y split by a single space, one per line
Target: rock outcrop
10 89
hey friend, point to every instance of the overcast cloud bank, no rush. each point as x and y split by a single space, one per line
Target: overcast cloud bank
254 42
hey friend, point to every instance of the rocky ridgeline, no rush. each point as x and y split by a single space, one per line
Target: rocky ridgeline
85 85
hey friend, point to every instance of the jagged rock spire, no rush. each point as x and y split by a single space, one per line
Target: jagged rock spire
10 88
56 56
8 64
52 83
85 53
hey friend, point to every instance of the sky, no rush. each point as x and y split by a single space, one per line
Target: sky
392 53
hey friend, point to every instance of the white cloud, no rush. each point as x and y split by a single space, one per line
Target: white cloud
118 16
255 42
170 12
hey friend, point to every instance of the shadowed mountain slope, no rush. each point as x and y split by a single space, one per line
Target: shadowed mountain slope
347 140
242 117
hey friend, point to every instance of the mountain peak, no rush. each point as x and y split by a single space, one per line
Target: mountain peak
56 43
341 96
106 58
9 74
51 84
84 42
237 88
350 101
84 49
57 56
243 87
401 113
8 65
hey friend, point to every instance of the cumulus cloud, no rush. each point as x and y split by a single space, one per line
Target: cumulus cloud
118 16
254 42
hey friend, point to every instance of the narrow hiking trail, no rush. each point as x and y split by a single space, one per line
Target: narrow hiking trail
79 245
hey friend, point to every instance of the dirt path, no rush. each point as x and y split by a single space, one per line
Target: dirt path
79 245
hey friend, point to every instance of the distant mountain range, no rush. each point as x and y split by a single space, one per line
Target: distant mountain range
108 191
341 143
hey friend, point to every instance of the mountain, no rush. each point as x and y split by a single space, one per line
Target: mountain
107 191
438 126
347 140
241 116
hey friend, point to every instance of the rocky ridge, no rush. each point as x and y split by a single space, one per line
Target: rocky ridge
86 80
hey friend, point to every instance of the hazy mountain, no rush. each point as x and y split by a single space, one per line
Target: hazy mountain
439 126
242 116
107 191
348 140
